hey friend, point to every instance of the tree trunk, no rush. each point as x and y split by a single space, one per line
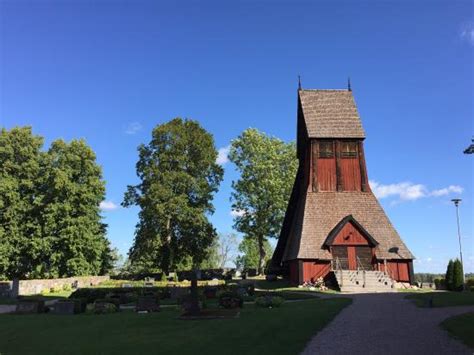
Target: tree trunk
262 254
169 261
194 306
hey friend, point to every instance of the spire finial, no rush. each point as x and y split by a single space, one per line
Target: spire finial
349 84
299 82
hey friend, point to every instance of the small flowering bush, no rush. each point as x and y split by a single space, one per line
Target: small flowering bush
318 284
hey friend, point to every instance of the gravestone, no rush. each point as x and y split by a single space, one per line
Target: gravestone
64 307
210 292
30 306
148 304
127 285
178 292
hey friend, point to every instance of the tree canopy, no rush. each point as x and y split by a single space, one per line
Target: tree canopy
178 177
250 256
267 167
50 222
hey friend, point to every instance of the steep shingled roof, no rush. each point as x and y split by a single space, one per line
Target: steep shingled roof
319 212
330 114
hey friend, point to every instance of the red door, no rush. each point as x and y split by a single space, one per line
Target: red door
351 256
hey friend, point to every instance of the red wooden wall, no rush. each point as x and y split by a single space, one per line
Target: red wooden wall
399 270
312 270
326 171
350 174
293 271
350 235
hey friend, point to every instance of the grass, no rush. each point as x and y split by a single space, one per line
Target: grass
442 299
7 300
461 327
283 330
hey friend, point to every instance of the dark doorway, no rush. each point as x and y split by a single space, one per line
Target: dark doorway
364 257
339 253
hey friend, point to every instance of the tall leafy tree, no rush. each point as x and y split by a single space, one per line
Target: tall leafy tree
178 177
249 257
71 216
267 167
50 223
20 199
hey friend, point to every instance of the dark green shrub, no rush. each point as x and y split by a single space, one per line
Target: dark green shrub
104 307
440 284
458 276
113 301
269 301
229 299
450 276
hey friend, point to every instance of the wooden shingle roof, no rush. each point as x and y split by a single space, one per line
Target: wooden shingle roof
318 213
330 114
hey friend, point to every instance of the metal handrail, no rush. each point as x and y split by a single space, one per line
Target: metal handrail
339 268
359 265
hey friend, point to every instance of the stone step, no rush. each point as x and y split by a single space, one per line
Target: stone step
364 282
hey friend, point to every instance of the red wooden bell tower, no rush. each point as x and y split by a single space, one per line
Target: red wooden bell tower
332 213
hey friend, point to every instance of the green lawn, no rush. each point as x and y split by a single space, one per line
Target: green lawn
283 330
443 299
461 327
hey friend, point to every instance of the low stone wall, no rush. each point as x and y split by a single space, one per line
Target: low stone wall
33 287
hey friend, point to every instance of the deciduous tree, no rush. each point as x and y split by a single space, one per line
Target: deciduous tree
50 222
178 177
267 167
250 256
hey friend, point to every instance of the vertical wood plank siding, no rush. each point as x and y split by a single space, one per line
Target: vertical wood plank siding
350 235
350 174
314 269
326 170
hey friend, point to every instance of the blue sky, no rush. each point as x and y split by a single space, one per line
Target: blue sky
109 72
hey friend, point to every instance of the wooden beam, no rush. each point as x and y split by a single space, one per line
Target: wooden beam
363 168
338 166
300 272
314 162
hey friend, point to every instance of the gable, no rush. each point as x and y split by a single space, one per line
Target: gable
349 232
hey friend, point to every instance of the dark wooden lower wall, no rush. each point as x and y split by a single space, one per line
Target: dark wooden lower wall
300 271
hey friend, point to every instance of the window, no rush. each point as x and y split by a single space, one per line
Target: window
348 149
326 150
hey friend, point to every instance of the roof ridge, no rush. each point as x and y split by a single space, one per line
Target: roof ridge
324 90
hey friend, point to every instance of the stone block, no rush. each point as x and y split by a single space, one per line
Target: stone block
148 304
30 306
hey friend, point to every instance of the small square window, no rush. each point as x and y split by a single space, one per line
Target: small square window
349 150
326 150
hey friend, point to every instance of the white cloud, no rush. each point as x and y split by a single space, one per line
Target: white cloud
447 190
407 191
222 157
133 128
108 206
404 190
467 32
237 213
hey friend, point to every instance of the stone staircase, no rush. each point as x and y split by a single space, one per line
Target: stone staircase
364 281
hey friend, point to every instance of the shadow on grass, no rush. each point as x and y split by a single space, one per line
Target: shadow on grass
442 299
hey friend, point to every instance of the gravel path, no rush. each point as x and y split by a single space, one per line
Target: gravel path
387 324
